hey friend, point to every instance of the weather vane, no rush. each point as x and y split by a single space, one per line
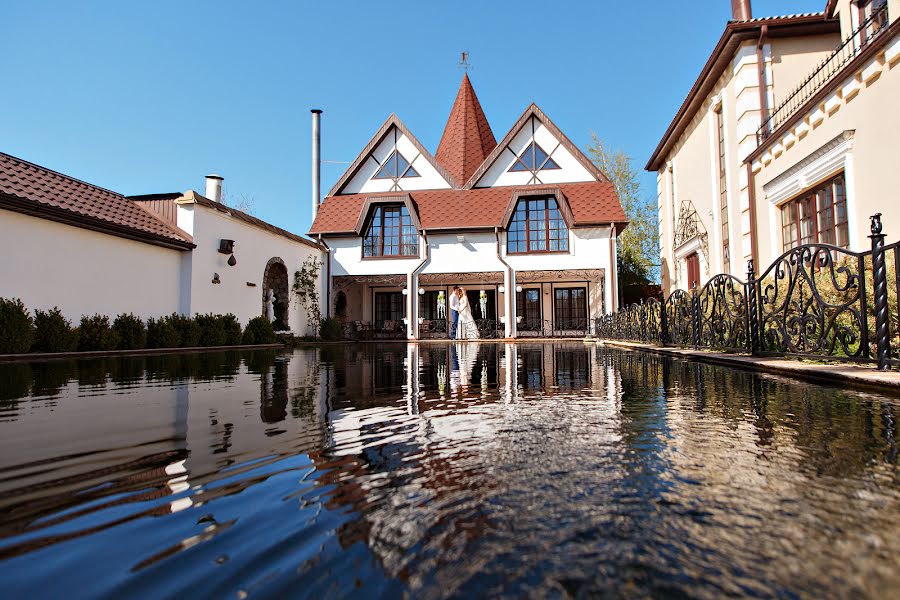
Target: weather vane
464 63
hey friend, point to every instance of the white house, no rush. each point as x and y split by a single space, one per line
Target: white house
527 225
88 250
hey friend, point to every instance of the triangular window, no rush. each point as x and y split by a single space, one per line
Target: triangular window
533 159
395 167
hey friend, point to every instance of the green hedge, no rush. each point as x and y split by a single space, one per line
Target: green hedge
50 331
53 332
16 327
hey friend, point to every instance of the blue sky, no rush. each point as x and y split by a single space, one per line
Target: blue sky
146 97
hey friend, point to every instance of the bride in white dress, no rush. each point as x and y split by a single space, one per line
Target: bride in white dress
466 328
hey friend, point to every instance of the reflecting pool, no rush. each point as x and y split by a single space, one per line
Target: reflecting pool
439 470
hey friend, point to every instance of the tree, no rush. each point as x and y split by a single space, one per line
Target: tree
638 245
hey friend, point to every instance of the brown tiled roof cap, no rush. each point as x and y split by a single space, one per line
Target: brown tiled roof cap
467 137
592 203
195 198
38 191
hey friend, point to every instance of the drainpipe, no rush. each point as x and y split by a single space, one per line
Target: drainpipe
509 279
414 283
327 277
751 192
763 87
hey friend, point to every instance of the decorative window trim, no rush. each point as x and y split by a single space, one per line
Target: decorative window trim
826 162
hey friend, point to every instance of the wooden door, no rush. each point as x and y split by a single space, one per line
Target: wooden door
693 270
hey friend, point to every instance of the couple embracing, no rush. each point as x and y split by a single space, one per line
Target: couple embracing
462 324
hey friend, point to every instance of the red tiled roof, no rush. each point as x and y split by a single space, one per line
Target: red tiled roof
467 137
592 203
35 190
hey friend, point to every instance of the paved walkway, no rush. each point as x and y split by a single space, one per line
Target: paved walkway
858 375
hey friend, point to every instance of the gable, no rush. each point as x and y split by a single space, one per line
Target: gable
534 152
393 161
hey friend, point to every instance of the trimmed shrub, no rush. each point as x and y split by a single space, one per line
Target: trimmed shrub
16 327
161 334
232 328
95 333
53 332
212 329
188 330
330 329
131 332
259 331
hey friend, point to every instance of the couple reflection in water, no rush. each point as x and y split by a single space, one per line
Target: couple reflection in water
463 360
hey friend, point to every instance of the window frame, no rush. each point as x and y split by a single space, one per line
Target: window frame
527 231
379 212
803 217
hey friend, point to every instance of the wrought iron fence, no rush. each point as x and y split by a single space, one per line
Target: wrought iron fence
874 24
815 301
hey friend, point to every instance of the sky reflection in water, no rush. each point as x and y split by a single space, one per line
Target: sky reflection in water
487 469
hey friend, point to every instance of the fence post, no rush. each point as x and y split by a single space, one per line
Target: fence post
752 314
663 323
695 314
879 279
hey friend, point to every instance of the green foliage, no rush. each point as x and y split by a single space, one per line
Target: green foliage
131 332
232 328
638 245
212 330
219 330
162 334
53 332
95 333
16 327
259 331
330 329
306 288
188 330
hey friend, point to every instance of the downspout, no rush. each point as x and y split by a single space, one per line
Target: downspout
414 279
761 72
327 277
763 119
510 328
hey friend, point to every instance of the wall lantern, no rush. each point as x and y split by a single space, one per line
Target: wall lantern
518 288
216 279
421 291
501 289
405 292
226 246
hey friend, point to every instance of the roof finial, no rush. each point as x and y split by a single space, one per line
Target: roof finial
464 62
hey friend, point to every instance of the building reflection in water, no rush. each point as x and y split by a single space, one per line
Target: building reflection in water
419 453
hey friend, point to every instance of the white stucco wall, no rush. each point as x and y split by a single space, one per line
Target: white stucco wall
84 272
348 260
253 249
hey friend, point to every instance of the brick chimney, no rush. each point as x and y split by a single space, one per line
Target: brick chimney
740 10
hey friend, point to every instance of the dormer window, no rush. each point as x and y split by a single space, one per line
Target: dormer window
390 233
395 167
533 159
537 226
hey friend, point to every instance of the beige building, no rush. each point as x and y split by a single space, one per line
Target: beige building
788 136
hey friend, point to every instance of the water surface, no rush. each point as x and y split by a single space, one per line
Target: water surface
441 470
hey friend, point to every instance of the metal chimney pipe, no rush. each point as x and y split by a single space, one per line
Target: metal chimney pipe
214 187
740 10
316 160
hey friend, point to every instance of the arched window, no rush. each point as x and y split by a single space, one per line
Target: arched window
391 233
537 226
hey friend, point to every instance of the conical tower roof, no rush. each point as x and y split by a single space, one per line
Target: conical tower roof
467 138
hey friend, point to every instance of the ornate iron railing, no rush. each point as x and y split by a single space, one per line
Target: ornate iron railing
874 25
815 301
